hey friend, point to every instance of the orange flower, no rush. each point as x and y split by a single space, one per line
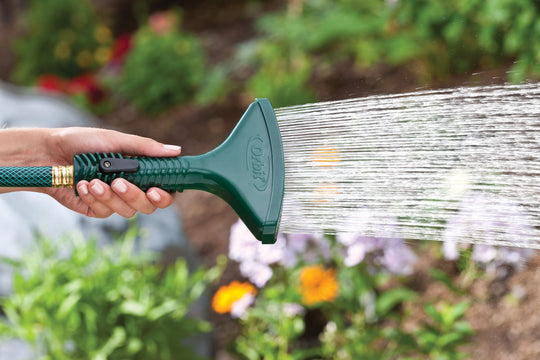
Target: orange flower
318 284
325 156
227 295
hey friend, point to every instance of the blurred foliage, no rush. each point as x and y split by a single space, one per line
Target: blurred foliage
464 35
165 66
307 34
63 37
282 76
73 300
445 332
296 47
441 38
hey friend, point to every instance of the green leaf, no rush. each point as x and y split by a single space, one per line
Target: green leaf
433 313
463 327
389 299
116 340
167 307
132 307
67 305
442 277
452 313
449 339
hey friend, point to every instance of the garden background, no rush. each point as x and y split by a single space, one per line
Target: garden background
183 72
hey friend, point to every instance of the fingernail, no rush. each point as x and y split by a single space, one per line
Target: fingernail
98 189
172 147
119 186
154 195
83 189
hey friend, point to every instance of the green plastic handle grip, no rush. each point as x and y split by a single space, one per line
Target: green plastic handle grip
166 173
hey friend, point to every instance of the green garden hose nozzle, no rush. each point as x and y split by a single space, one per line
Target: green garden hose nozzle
246 170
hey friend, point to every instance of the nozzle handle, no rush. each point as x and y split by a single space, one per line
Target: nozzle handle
145 172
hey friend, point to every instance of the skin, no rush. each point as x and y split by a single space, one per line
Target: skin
47 147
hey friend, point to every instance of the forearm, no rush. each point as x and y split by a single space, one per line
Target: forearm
24 147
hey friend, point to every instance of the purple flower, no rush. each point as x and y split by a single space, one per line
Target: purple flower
298 242
368 233
318 249
258 273
399 259
489 219
485 220
242 244
493 257
254 258
240 306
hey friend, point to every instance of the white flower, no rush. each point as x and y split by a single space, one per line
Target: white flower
450 250
293 309
258 273
355 254
242 244
484 253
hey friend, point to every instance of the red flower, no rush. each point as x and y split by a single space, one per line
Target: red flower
85 84
50 83
163 22
121 47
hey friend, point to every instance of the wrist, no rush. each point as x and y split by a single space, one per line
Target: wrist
24 147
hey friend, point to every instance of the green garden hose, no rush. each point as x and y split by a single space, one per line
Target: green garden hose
26 176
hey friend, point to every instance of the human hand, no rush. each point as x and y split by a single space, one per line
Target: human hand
97 199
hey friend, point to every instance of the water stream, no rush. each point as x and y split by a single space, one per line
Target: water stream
459 164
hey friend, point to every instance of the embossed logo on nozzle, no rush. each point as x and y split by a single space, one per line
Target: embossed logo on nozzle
258 162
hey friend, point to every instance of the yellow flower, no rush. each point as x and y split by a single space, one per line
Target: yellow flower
85 59
325 156
62 50
327 191
227 295
102 54
318 284
102 34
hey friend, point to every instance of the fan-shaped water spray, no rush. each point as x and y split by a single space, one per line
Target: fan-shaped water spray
460 164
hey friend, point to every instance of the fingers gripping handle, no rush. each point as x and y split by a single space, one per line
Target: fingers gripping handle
145 172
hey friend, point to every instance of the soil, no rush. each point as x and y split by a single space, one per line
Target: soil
505 328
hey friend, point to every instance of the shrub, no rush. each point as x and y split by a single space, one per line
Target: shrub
282 77
439 38
103 304
164 67
460 36
64 38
